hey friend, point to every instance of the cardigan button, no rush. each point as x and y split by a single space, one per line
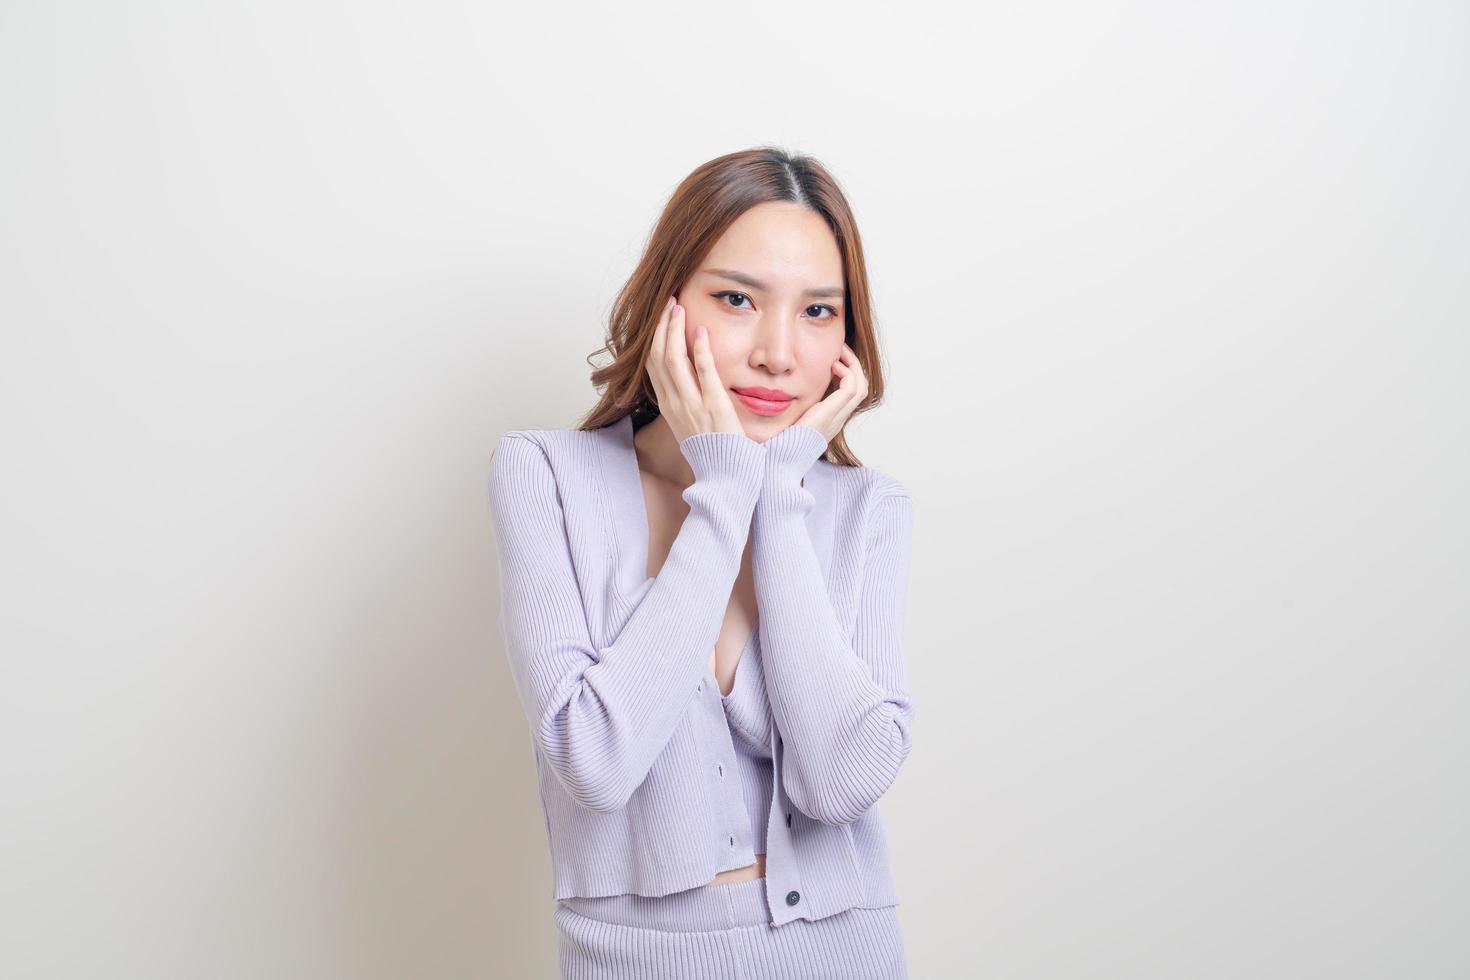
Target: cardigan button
788 820
793 897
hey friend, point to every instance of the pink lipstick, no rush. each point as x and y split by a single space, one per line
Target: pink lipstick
764 401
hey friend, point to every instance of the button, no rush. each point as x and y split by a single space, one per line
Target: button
700 688
732 842
788 820
721 768
793 897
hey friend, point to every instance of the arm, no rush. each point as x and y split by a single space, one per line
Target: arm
841 703
602 715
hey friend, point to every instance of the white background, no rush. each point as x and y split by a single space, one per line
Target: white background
1175 302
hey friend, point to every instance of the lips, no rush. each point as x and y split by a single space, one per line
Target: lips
764 394
763 401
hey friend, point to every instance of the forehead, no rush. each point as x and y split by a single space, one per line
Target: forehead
778 241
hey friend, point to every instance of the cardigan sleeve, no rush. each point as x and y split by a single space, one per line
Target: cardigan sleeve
600 716
840 702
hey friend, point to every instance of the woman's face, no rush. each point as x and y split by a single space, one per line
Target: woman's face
771 296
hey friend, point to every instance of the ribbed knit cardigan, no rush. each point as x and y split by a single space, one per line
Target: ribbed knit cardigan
630 734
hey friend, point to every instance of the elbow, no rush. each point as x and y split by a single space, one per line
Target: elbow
839 791
591 767
600 789
841 804
829 813
577 739
599 763
600 797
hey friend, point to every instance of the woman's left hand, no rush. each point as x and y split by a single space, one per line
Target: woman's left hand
829 415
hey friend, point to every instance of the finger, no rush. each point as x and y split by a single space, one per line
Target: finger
710 385
655 359
721 405
853 382
849 386
850 363
676 359
656 346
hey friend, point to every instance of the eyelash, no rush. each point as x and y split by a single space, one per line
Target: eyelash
732 292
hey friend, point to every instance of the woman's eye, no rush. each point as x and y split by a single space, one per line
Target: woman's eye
732 293
814 306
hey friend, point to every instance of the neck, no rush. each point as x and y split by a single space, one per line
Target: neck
658 453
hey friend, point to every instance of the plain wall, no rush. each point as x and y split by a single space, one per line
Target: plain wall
1174 300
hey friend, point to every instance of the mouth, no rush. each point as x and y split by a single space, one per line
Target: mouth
764 401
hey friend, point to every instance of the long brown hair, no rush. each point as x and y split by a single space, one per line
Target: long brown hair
702 207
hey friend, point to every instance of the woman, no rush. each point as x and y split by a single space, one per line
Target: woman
702 601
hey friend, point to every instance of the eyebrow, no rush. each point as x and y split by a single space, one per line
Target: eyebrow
744 280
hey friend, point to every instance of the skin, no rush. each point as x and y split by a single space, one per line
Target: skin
719 333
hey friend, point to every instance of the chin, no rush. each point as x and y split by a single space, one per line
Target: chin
766 429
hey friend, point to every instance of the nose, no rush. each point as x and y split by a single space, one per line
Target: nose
775 343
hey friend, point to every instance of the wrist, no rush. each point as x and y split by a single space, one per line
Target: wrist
727 457
792 452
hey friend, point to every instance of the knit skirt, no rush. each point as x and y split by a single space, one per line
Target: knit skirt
722 932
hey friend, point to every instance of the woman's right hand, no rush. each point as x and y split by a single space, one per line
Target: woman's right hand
692 399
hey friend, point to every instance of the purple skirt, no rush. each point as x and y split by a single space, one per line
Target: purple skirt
722 932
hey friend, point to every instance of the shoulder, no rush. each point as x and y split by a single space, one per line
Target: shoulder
530 459
863 484
869 496
883 484
520 452
558 447
544 439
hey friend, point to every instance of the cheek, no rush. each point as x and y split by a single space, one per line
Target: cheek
817 361
727 359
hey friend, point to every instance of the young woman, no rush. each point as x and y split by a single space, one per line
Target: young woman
702 602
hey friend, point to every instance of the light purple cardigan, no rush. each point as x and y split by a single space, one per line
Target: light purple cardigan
628 726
